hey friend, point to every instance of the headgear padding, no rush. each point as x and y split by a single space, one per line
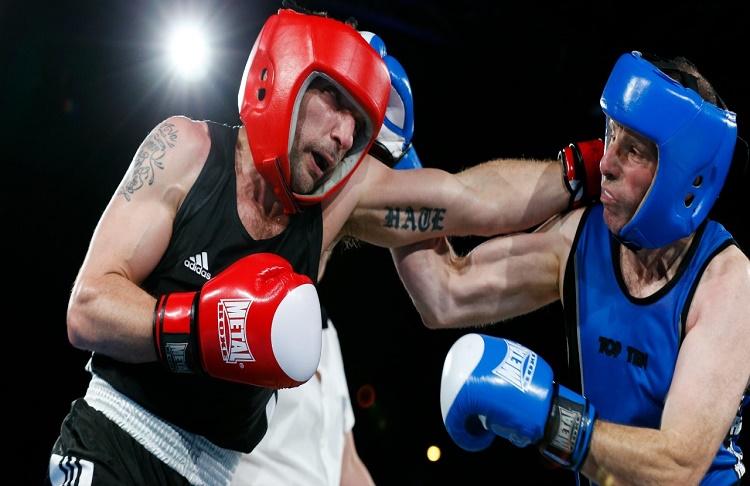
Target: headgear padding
292 50
695 140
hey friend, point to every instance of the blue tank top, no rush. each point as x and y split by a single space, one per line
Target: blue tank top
623 349
207 237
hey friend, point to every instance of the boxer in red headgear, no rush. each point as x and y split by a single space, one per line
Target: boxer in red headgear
197 297
291 51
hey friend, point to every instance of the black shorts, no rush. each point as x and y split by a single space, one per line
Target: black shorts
93 450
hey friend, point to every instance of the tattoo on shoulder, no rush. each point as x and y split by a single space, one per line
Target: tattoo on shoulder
422 220
148 159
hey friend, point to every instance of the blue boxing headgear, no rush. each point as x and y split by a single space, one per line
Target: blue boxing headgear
695 140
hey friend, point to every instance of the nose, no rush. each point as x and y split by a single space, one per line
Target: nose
609 163
343 130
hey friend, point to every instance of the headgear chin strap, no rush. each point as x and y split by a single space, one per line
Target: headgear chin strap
292 50
695 139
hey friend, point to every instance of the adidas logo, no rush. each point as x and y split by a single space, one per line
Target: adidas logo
199 264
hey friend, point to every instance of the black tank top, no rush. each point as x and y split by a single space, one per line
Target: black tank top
207 237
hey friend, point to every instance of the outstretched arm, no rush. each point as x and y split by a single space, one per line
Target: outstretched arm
393 208
503 277
497 197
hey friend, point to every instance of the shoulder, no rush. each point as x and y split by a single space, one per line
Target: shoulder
179 143
182 134
723 288
339 210
176 135
730 267
169 158
561 229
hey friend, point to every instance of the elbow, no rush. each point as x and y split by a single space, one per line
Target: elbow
682 474
665 474
690 468
430 323
432 320
76 330
77 318
668 462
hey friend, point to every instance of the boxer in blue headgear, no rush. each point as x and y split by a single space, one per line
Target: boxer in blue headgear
695 141
654 292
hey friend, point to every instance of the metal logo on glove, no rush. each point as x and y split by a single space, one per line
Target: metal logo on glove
176 356
232 330
518 366
568 428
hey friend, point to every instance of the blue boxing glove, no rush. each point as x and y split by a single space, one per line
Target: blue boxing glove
492 386
393 146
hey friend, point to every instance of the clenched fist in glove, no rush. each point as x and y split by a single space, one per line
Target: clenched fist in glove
393 146
492 386
581 172
257 323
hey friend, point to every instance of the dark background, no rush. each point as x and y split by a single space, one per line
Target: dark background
83 82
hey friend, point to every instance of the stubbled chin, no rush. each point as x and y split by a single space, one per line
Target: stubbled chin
614 224
303 184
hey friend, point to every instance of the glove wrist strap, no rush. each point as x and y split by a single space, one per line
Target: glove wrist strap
173 336
568 430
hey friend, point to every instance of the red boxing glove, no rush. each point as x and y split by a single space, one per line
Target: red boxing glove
256 323
581 174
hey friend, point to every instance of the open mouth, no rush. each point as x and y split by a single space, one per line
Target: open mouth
320 161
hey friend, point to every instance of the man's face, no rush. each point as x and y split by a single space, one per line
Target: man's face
326 126
628 168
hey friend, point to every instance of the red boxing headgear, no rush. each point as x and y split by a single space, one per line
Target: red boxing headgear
291 50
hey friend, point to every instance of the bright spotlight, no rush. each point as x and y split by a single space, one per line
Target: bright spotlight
188 52
433 453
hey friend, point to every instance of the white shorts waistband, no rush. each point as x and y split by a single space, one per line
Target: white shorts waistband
195 457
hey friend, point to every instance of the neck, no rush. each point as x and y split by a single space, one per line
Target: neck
647 270
251 186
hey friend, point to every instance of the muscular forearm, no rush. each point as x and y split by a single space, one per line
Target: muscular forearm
112 316
504 277
523 192
497 197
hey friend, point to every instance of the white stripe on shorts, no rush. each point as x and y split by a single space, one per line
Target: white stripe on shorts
195 457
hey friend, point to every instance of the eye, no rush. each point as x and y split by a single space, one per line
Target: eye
610 132
342 103
337 99
335 94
